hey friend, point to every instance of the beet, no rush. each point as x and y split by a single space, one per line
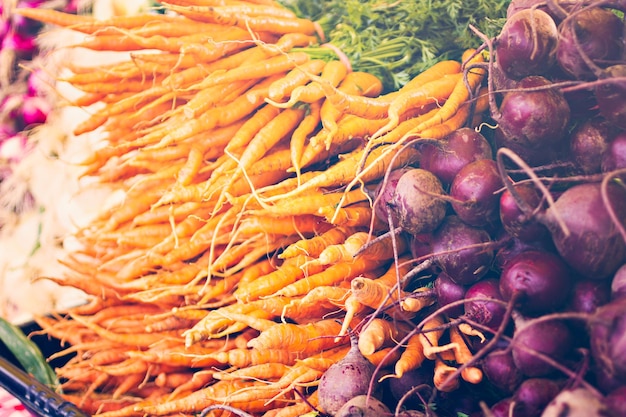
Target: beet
618 283
615 155
616 401
417 201
474 190
607 333
384 193
588 142
487 313
577 402
552 338
456 150
363 406
532 119
539 281
587 296
594 246
592 34
533 395
447 292
526 44
345 379
500 370
516 223
610 95
462 251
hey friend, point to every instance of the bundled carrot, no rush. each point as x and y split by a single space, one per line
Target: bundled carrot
244 237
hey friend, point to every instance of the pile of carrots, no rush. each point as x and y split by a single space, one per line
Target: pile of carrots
246 246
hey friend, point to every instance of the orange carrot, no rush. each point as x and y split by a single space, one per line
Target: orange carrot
436 91
300 134
430 334
333 74
242 358
289 272
411 358
462 354
332 275
313 246
308 204
298 76
381 333
306 338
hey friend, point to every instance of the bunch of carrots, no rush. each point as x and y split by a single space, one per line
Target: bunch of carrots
246 247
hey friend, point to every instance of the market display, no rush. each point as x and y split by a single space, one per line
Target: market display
307 231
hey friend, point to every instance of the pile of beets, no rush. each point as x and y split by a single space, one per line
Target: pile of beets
522 223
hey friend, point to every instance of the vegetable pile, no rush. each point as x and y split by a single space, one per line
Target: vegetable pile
290 223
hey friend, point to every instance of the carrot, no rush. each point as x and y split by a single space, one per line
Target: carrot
411 358
443 372
273 24
355 83
432 73
266 371
300 134
289 272
316 303
313 246
305 338
257 70
343 251
462 354
345 170
242 358
381 333
298 76
332 275
465 87
308 204
285 225
188 171
436 91
356 215
430 334
217 117
198 400
333 74
211 96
